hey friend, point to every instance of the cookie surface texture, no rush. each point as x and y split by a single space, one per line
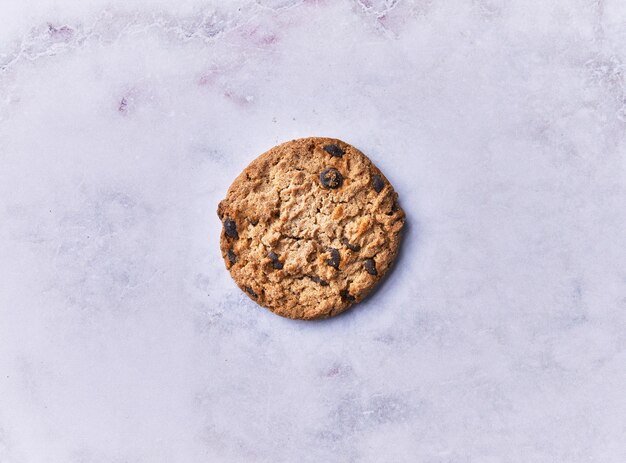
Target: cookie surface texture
309 228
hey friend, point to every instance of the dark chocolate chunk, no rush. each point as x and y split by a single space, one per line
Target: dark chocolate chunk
335 257
331 178
351 247
334 150
346 295
232 257
370 266
318 280
230 228
250 291
254 222
277 264
378 183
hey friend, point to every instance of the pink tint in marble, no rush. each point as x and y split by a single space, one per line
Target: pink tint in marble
60 33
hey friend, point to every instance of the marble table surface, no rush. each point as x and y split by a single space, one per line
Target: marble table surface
499 337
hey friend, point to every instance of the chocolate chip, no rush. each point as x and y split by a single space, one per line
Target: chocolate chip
230 228
251 292
318 280
275 262
378 183
334 150
232 257
254 222
331 178
351 247
370 266
346 295
335 257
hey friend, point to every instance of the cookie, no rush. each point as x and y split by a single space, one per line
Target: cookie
310 227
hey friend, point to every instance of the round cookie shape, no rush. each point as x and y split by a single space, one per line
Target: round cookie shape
310 227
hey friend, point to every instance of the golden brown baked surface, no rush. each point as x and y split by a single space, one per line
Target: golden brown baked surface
309 227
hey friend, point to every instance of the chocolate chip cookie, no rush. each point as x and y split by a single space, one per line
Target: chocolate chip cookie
310 227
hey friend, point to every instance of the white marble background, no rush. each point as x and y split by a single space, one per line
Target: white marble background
499 337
